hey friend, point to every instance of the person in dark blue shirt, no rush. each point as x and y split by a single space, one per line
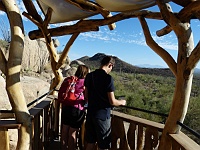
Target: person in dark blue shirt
99 93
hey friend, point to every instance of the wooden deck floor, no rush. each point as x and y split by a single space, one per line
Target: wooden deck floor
54 145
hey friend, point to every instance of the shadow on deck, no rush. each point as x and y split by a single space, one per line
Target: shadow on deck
54 145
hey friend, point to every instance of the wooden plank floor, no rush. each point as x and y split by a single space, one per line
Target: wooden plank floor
54 145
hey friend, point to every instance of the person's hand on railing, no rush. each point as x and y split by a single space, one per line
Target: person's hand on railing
123 102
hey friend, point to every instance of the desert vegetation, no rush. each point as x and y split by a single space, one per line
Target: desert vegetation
155 93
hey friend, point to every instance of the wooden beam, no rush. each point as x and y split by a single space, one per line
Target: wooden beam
64 54
189 11
184 141
2 8
4 142
10 124
32 10
94 7
82 26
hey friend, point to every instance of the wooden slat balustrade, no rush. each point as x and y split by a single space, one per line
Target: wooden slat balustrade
144 134
141 133
42 123
4 126
128 132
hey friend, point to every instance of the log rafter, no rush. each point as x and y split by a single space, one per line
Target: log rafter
82 26
189 11
64 54
186 12
32 10
2 8
184 15
93 7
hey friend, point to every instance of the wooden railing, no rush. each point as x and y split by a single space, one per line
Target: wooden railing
5 125
182 142
42 122
128 132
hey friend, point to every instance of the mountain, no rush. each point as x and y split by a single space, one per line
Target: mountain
197 71
122 66
149 66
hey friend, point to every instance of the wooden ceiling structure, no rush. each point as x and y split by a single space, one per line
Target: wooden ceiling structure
60 11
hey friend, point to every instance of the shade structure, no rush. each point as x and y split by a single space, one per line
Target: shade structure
63 11
125 5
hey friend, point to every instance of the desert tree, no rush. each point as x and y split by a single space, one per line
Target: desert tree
11 68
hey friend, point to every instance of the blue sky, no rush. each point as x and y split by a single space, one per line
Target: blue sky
126 41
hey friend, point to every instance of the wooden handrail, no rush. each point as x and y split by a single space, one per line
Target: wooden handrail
145 134
9 124
4 126
137 120
184 141
42 127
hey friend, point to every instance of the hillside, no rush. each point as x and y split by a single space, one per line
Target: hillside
122 66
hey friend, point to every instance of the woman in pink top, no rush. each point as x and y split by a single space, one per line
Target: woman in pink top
73 114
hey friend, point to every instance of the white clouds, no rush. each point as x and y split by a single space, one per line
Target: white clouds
2 13
167 42
63 24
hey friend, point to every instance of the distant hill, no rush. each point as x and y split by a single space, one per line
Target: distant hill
122 66
197 71
149 66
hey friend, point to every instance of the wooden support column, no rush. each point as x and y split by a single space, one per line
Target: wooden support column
4 142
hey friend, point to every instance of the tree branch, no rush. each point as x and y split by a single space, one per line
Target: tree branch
2 8
47 17
189 11
32 10
94 7
156 48
66 50
44 26
164 31
31 19
184 15
167 14
194 57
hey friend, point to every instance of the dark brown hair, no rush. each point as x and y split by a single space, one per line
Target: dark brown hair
106 60
82 71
